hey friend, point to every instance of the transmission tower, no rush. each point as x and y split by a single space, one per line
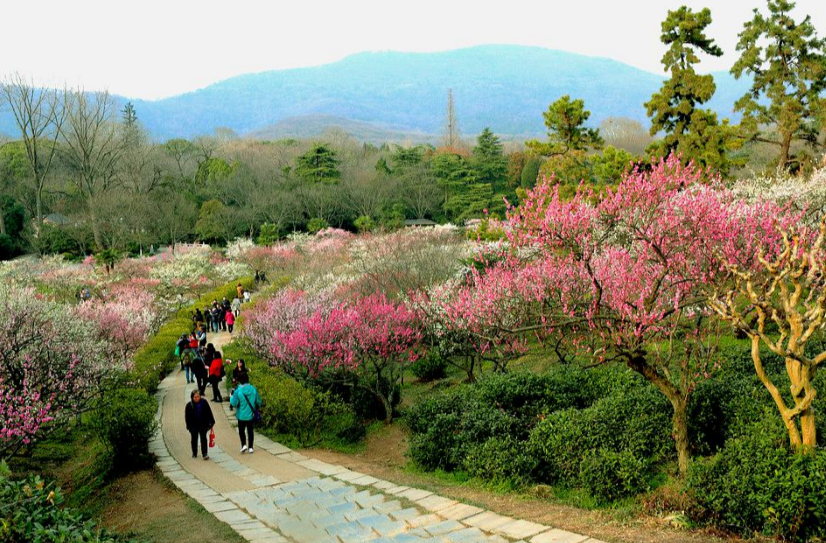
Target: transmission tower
451 124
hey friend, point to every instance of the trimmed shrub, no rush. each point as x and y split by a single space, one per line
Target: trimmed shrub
611 475
430 367
638 423
446 427
501 459
125 422
757 485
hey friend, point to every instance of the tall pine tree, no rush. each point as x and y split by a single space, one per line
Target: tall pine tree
693 132
787 63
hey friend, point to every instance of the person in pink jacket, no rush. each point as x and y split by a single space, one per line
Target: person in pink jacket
230 318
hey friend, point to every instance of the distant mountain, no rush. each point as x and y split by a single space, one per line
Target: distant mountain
505 87
311 126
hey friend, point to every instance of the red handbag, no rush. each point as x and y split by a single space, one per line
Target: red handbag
211 438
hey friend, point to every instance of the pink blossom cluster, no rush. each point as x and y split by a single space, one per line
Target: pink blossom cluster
124 319
52 366
616 272
308 334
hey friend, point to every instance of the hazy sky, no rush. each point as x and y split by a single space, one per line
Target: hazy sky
154 48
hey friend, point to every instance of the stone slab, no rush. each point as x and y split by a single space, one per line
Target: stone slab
558 536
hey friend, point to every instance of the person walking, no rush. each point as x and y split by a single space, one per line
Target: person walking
239 290
201 336
199 420
208 319
236 305
230 318
217 317
199 371
240 367
247 296
181 347
246 402
216 375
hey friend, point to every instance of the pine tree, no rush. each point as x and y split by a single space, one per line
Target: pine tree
693 132
318 165
565 120
489 162
787 62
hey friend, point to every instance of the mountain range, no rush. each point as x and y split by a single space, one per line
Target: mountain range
381 96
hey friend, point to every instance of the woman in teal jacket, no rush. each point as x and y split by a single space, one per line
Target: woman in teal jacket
246 402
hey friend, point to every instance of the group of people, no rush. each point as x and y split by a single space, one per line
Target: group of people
204 364
244 399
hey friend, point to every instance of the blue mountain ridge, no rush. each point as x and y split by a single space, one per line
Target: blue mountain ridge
505 87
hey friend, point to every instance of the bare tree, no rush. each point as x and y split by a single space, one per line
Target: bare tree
39 114
452 139
93 145
139 169
625 133
420 192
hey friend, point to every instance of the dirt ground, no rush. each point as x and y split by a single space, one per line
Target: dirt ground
144 507
384 458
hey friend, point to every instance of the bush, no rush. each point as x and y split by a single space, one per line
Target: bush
611 475
125 422
756 484
290 409
430 367
446 427
501 459
30 511
638 422
316 225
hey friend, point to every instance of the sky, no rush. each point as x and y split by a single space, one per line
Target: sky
160 48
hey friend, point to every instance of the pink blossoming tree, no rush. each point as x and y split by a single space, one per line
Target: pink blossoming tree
623 277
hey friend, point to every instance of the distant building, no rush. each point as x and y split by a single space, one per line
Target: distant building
419 222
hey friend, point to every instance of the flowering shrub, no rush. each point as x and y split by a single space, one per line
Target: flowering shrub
313 335
52 367
124 320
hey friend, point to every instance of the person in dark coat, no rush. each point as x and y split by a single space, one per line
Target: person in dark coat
199 421
199 370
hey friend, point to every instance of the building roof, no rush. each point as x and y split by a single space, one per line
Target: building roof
57 219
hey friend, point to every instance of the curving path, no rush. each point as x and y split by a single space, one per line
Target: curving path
277 495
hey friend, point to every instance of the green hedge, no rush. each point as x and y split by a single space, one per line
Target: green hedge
157 357
296 414
756 484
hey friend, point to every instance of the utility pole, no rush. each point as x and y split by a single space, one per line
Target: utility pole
451 124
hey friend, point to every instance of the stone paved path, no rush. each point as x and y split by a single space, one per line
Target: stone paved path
277 495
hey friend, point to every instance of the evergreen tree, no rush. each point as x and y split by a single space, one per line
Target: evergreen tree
318 165
787 62
130 116
489 162
693 132
565 120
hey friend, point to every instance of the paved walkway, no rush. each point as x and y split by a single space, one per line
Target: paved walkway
277 495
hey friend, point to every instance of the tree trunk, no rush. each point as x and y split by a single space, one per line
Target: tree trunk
679 402
2 221
785 147
95 227
801 378
680 428
388 407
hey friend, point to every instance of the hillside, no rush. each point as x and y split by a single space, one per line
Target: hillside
311 126
504 87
